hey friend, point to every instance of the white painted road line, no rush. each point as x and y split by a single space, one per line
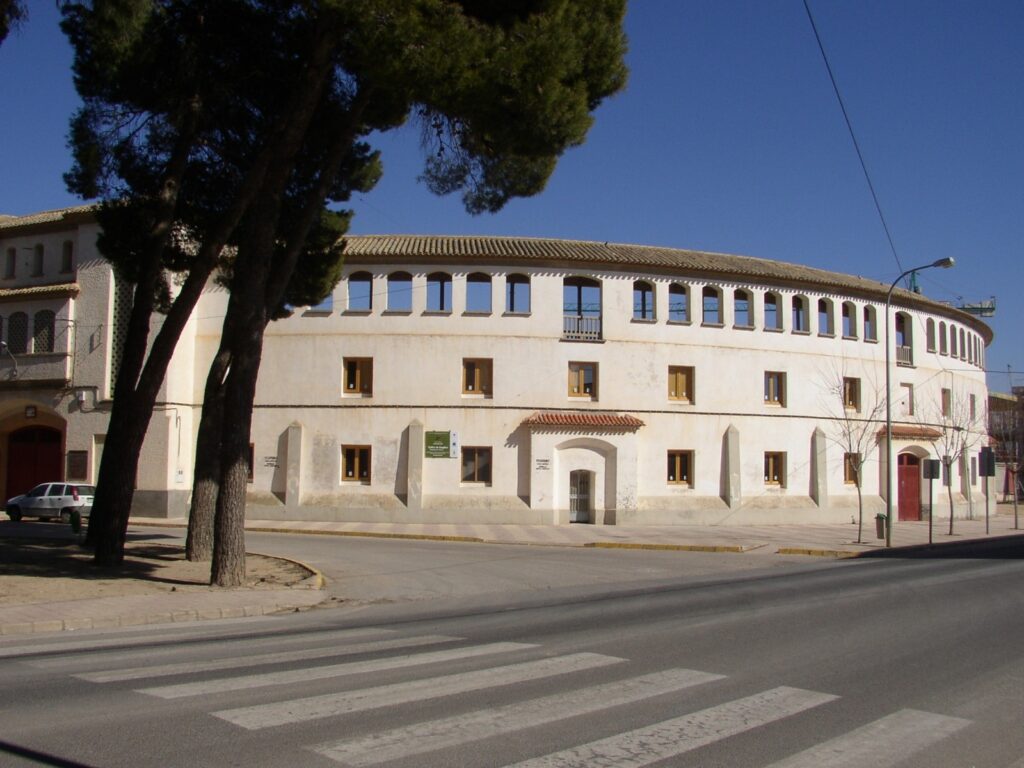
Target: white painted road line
450 731
880 744
334 704
279 657
671 738
239 646
130 636
332 670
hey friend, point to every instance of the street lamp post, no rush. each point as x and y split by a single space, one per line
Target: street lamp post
945 263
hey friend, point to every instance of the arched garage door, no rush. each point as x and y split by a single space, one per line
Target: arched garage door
33 457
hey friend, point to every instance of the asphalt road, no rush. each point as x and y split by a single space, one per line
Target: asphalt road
888 662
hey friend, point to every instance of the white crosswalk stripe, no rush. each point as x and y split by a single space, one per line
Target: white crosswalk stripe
237 647
334 670
880 744
679 735
883 743
461 729
279 657
334 704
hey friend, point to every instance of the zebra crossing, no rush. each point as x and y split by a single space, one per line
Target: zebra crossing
494 669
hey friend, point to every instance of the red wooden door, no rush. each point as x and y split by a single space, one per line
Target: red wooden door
909 481
33 457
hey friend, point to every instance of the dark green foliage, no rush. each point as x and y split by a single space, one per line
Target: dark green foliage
12 13
230 130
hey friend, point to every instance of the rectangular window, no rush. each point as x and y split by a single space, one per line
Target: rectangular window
680 383
37 261
775 388
851 393
974 407
851 466
67 256
583 380
775 468
358 376
11 262
947 402
78 465
741 312
476 465
680 468
517 295
907 399
355 464
477 374
249 475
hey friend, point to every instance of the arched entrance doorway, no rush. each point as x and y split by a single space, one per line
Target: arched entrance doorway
33 457
909 486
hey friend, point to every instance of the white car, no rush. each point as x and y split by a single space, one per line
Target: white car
59 500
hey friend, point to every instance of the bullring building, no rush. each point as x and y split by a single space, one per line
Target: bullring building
513 380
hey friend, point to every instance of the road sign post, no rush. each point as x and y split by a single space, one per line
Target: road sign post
932 469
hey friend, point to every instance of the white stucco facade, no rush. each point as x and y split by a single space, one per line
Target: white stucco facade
548 367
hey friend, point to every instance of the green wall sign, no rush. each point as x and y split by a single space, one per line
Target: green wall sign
437 445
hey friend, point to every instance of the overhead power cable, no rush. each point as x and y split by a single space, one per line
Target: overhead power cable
853 136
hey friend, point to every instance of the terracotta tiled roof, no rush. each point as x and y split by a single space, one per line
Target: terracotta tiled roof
583 419
904 432
39 291
43 217
490 250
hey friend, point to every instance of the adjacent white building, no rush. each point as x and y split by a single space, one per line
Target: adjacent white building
516 380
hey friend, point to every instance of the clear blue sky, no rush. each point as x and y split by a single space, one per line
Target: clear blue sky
727 138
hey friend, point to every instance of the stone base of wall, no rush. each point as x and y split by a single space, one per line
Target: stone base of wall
503 510
161 504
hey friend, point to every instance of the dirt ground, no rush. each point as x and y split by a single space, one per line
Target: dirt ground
49 570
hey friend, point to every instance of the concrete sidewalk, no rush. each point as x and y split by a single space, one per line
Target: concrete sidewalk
739 541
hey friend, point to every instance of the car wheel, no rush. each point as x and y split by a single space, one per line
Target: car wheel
65 516
14 513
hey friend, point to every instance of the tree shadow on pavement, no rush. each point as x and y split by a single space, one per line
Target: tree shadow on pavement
55 558
997 548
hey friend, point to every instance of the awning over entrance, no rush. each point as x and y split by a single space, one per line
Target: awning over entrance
904 432
584 420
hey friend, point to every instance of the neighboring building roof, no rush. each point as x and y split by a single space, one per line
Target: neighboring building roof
489 250
582 419
904 432
55 216
40 291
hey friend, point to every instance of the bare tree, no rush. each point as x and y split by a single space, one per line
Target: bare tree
857 406
1006 426
960 424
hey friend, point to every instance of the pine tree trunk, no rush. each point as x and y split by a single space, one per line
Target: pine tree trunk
228 568
206 477
115 487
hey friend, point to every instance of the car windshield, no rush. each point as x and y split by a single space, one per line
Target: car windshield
39 490
86 490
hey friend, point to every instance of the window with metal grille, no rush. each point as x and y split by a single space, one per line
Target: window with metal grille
42 331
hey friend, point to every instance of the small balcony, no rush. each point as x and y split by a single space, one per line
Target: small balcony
905 356
579 328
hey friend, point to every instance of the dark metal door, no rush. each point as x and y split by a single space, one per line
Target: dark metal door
579 496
